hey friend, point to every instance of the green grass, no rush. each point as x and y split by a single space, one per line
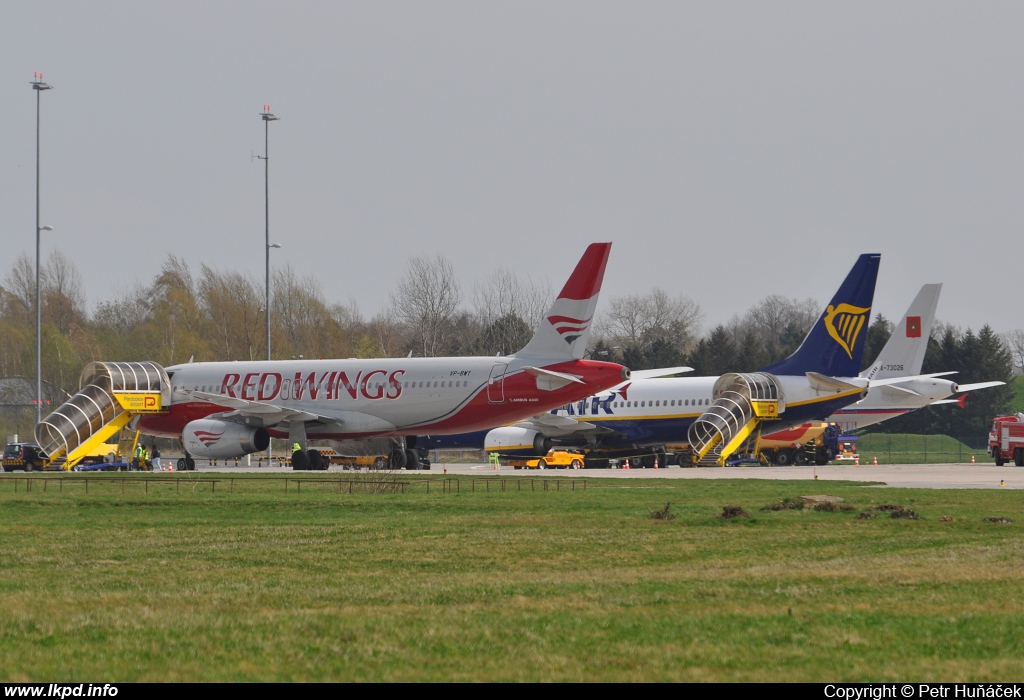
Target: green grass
515 585
1017 402
901 448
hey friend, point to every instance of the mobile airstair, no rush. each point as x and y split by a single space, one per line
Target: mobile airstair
111 395
742 402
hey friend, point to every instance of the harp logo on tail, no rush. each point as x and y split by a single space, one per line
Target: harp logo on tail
844 324
568 327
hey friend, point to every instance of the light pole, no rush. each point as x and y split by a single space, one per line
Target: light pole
38 85
267 117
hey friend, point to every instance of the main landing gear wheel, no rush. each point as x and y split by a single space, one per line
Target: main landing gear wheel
397 459
300 461
316 461
412 459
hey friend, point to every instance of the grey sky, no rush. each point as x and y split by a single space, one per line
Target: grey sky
730 150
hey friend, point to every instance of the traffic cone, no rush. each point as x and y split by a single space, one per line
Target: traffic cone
625 465
876 461
972 459
655 461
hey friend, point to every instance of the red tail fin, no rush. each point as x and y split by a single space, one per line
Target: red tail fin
585 281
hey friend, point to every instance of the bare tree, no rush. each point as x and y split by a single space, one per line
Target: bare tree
1015 342
637 320
62 295
425 301
233 303
507 309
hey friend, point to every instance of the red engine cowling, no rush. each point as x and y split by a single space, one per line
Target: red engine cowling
218 439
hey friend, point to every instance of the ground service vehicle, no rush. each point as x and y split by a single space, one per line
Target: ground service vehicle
810 443
555 459
1006 439
24 456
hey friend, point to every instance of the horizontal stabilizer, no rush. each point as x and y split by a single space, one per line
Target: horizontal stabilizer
979 385
658 373
898 391
548 380
903 380
821 382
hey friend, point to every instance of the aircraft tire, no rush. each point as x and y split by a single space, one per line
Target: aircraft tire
181 465
397 460
190 464
647 461
300 461
412 460
316 461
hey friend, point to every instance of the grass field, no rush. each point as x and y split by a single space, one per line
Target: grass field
252 583
900 448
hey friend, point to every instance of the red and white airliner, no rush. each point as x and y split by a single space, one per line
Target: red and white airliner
229 409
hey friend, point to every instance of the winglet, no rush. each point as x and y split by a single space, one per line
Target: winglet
565 328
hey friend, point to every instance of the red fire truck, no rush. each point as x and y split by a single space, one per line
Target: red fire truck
1006 439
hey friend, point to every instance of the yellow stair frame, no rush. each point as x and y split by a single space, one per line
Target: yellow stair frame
763 410
134 403
98 438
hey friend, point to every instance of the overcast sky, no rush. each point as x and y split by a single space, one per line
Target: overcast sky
729 150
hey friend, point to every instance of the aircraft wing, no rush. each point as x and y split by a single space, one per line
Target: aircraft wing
269 415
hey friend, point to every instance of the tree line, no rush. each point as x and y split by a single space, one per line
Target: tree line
210 315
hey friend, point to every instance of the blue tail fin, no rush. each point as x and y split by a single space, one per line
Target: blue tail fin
835 344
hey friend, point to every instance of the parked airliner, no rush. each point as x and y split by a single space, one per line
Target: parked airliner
227 409
812 383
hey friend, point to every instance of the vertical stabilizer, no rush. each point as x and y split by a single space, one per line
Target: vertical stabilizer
835 344
565 328
903 354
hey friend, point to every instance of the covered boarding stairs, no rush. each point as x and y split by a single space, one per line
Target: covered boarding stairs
742 402
111 395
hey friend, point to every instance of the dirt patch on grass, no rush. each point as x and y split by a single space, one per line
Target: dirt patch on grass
905 514
1001 521
663 513
785 504
729 512
887 507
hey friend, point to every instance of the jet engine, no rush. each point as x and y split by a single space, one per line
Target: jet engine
521 441
218 439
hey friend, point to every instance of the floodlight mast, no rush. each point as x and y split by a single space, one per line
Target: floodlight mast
267 117
38 85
